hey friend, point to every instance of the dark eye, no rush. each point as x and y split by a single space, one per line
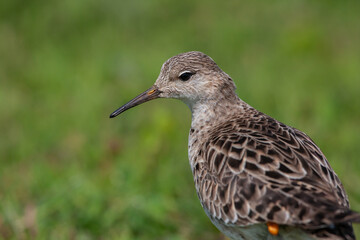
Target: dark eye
185 76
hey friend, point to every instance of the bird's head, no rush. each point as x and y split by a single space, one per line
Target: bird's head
190 77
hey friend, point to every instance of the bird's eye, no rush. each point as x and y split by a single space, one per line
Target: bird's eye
185 75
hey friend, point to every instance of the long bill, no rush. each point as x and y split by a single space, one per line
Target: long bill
150 94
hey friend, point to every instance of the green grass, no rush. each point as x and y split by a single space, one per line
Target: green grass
69 172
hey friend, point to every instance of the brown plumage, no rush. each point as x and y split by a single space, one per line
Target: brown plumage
249 169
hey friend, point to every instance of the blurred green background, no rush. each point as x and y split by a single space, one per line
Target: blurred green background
69 172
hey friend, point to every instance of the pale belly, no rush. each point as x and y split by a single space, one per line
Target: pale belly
259 232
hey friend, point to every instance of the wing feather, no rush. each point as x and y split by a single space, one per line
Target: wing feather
262 170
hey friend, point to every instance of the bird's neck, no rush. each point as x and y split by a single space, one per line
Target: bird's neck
208 112
207 115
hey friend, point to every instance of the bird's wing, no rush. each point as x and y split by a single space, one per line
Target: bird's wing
262 170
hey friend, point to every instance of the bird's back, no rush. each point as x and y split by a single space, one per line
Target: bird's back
251 169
